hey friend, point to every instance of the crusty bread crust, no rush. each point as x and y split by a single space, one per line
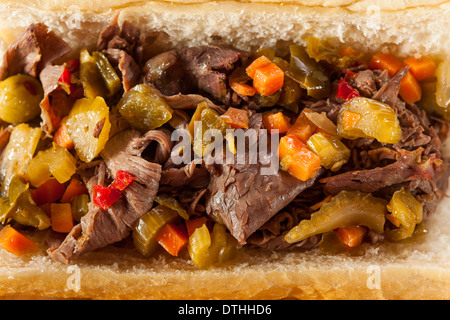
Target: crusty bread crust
418 268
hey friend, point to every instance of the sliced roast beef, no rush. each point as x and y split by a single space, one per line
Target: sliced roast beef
32 51
365 83
408 167
388 93
99 227
243 198
205 67
56 103
166 73
163 147
127 38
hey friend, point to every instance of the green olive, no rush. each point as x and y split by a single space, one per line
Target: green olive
20 96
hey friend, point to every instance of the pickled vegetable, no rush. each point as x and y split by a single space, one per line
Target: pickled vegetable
290 95
211 123
148 227
20 96
321 121
18 153
173 204
20 207
198 247
443 84
109 75
297 159
267 101
264 51
321 50
308 73
404 207
55 161
88 126
144 108
207 249
429 101
347 208
197 116
267 77
332 152
97 75
80 206
367 118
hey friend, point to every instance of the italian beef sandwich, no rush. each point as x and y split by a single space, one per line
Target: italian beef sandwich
224 149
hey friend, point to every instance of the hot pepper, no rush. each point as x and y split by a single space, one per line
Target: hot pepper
122 180
104 197
70 68
345 91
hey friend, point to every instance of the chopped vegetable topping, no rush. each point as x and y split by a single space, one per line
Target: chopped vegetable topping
13 241
276 121
172 238
367 118
345 91
345 209
347 123
267 77
122 180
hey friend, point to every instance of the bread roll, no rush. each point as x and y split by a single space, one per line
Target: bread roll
418 268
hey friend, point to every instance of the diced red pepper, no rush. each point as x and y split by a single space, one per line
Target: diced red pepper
73 65
65 77
122 180
105 197
345 91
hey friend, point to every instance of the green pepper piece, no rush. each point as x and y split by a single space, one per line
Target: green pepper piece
90 77
267 101
173 204
347 208
308 73
18 153
374 120
321 50
149 225
210 120
97 75
429 101
332 152
144 108
109 75
197 116
404 207
20 207
56 161
79 206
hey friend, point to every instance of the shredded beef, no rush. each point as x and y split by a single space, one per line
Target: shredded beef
129 69
99 227
364 82
408 167
36 48
244 199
